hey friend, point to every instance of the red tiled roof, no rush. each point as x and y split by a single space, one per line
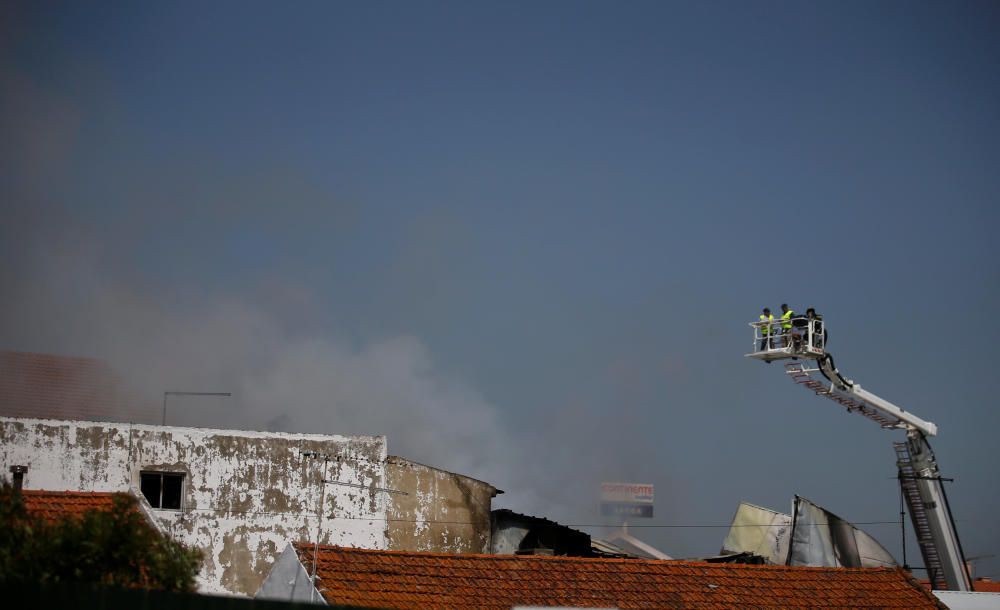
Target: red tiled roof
986 586
979 585
54 505
58 387
404 580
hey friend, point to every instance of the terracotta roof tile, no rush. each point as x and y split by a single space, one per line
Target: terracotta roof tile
403 580
54 505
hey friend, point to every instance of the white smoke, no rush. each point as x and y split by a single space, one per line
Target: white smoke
280 379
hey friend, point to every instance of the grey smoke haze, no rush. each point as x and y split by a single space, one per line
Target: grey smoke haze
293 381
74 287
304 380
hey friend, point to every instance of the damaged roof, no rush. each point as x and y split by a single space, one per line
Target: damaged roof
405 580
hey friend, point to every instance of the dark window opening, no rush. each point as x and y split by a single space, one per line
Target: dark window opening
162 489
18 472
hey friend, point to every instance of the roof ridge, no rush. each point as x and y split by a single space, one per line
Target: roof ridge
69 493
307 548
927 593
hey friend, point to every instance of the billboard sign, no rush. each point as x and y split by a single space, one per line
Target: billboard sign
627 500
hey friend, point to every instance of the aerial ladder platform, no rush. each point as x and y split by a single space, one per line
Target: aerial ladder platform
808 364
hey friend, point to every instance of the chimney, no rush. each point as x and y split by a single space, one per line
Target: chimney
18 472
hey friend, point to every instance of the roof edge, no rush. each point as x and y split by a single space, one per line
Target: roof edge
397 458
304 546
227 431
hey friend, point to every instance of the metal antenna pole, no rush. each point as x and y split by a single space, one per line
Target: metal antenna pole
319 528
165 394
322 503
902 524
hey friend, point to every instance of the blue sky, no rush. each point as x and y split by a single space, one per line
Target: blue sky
569 209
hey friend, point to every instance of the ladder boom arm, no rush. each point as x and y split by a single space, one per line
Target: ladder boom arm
909 420
919 476
925 427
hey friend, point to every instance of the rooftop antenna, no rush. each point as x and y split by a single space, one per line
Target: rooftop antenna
165 394
326 457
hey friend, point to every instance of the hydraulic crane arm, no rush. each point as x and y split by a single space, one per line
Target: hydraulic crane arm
919 477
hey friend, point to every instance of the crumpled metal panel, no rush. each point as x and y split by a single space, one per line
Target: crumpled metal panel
821 539
760 531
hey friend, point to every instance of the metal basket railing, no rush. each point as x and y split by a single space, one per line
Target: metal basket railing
804 335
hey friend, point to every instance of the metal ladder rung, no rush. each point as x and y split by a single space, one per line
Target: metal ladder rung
921 526
801 376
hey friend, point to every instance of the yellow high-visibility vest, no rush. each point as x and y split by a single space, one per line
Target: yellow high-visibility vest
766 330
786 319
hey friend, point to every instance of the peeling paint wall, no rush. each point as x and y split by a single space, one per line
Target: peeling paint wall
246 495
441 511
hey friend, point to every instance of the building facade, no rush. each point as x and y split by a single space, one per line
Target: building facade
436 510
242 497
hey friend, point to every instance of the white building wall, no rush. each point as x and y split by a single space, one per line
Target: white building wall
246 494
